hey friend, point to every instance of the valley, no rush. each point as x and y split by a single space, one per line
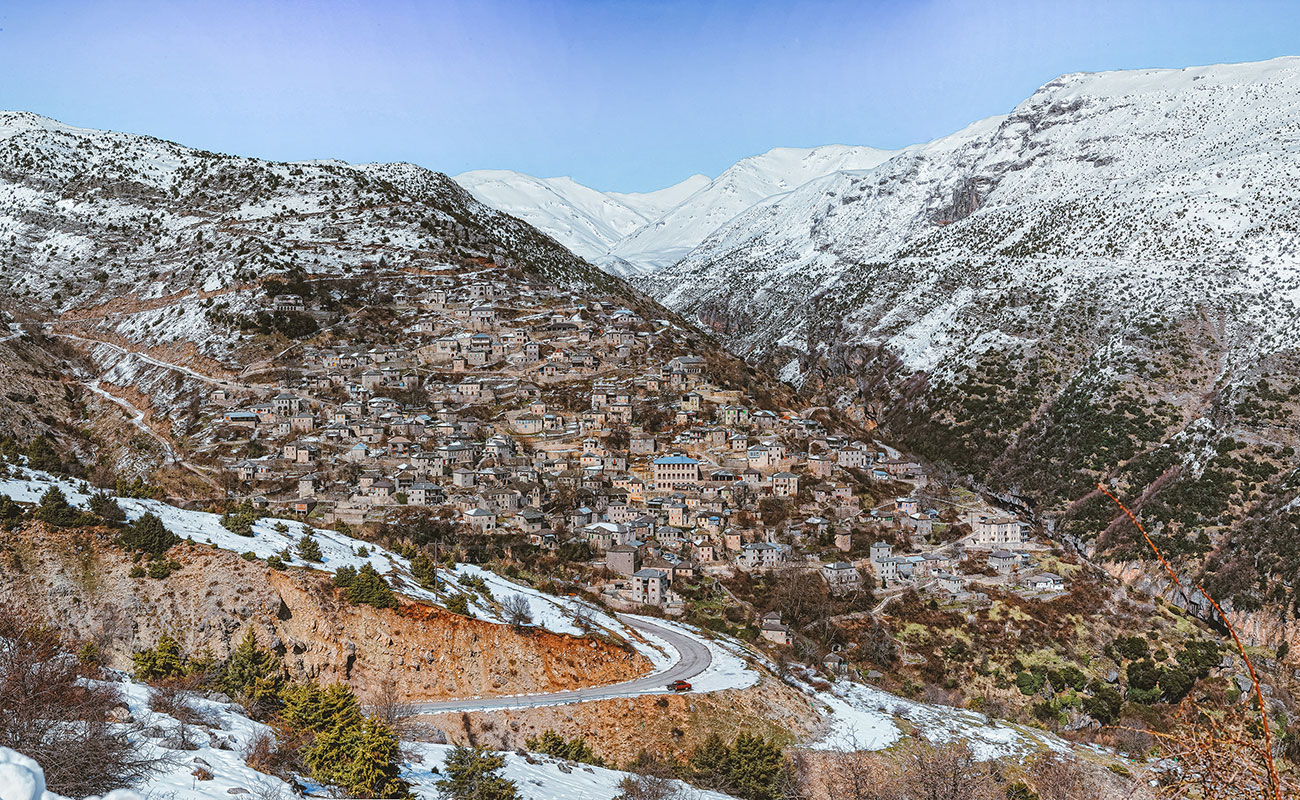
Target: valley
388 475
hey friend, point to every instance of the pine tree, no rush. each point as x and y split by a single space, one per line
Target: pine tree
374 769
11 513
755 768
709 763
301 706
253 674
163 660
368 587
308 549
473 774
149 535
339 706
240 519
54 509
106 508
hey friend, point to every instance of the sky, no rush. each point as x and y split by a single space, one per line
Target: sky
621 96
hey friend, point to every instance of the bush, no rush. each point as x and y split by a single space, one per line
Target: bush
1029 682
52 713
459 604
474 774
1104 705
11 514
162 661
344 576
551 743
1131 647
106 508
1175 683
136 488
161 569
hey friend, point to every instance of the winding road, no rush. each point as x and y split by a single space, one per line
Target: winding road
692 659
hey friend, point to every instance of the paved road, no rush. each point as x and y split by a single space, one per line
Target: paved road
693 658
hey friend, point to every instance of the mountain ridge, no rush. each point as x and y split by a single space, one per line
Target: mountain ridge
673 219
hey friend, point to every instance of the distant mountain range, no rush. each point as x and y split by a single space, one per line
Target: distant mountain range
631 234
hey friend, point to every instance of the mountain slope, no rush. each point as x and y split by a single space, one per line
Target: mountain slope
86 214
652 205
1101 284
635 233
585 220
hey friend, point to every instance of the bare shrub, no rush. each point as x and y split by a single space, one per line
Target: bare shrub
860 775
281 756
176 699
946 771
387 704
52 711
517 610
649 787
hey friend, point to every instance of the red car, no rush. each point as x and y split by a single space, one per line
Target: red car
679 686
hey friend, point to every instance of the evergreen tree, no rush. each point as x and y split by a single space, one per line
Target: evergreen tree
11 514
553 744
163 660
240 518
339 707
54 509
42 455
755 768
253 674
106 508
374 762
300 706
368 587
473 774
308 549
709 763
344 576
149 535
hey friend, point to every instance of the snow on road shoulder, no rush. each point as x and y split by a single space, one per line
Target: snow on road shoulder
729 668
864 718
538 777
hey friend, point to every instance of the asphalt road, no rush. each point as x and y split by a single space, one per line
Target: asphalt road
693 658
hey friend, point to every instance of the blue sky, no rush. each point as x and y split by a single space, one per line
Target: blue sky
626 96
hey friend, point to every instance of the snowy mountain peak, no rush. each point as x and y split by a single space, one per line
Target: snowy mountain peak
630 233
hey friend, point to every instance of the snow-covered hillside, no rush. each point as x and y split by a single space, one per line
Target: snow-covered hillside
1117 235
585 220
635 233
88 216
1162 187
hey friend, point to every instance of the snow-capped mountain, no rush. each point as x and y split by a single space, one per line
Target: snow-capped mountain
585 220
1122 240
745 184
635 233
